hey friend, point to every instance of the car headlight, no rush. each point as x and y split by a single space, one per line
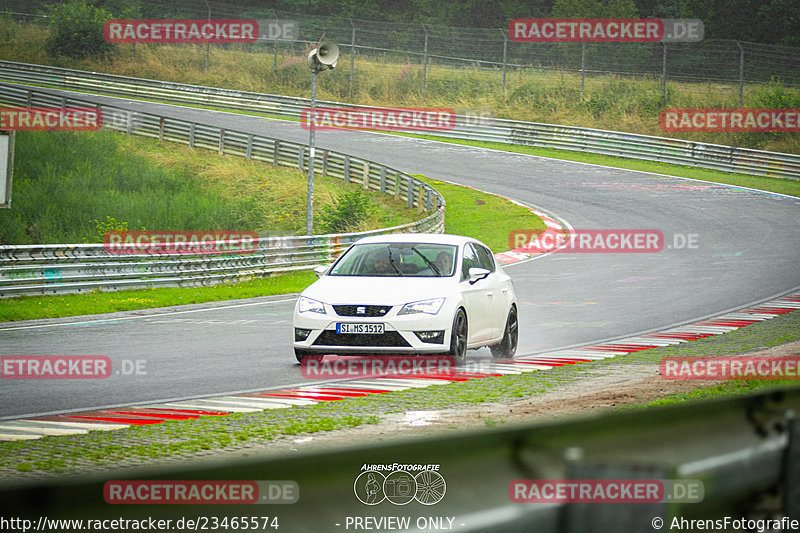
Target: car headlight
430 307
309 305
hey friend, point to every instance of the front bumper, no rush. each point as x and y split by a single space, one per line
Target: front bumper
402 334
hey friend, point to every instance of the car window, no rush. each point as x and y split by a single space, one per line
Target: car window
485 258
397 260
470 260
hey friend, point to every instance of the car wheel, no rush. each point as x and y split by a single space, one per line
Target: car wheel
458 338
506 348
300 353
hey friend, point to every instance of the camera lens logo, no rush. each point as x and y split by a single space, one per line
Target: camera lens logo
400 487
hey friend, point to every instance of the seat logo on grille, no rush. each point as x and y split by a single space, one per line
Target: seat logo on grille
361 309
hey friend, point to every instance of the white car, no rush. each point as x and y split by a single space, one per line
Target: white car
409 294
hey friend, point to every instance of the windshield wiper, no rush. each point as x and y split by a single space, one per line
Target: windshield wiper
428 262
391 261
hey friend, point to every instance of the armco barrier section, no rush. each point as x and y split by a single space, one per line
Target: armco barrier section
61 268
629 145
743 452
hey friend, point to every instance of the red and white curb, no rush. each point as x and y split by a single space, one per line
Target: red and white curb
544 243
109 419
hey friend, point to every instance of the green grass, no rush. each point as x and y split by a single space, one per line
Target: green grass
138 445
486 217
36 307
69 187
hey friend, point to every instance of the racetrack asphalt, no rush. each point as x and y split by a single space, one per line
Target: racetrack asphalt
746 248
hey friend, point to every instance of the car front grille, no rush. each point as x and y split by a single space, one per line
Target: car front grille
389 338
361 310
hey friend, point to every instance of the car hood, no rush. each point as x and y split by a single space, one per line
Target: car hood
364 290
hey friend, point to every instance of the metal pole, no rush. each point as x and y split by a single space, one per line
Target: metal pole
313 118
275 56
425 61
583 64
352 55
137 18
741 72
505 57
208 44
664 75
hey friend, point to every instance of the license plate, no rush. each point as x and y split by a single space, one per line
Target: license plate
368 329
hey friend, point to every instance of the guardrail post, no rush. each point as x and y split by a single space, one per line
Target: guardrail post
410 193
191 134
420 203
221 150
383 179
249 152
396 185
366 175
300 154
324 163
275 149
161 128
664 75
30 98
129 124
346 171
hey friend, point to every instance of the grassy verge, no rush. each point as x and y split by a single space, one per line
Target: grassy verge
137 445
606 102
72 187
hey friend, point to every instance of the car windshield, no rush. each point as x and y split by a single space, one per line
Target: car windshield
397 260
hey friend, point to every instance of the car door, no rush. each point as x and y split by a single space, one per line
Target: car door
495 290
477 297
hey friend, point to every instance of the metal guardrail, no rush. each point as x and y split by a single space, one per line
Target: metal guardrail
61 268
744 452
628 145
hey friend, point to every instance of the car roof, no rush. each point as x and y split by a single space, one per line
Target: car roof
427 238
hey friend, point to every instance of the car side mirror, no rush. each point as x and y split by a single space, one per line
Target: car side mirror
477 274
321 270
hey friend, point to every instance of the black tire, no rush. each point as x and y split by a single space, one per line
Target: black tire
299 353
458 338
507 347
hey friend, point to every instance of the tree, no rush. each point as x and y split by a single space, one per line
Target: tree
76 31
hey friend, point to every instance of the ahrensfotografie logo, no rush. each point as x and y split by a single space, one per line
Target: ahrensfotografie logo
399 484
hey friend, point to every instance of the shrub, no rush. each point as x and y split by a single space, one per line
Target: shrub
346 213
76 31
